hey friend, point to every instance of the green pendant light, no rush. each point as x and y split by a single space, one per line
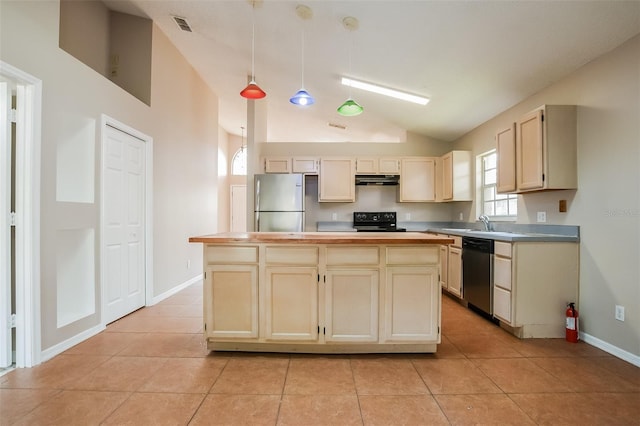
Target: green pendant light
350 108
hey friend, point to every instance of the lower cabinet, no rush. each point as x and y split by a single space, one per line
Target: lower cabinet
454 276
444 267
412 303
232 295
532 283
351 305
291 303
323 298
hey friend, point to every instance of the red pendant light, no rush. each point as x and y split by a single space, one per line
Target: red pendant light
253 91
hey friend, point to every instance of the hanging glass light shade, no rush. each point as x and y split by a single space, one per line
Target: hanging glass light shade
253 91
350 108
302 98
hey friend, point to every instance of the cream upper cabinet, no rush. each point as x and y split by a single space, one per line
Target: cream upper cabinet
546 156
418 179
389 166
382 165
366 166
337 180
307 165
506 153
277 165
456 176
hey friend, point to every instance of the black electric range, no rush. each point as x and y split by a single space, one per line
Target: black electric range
376 222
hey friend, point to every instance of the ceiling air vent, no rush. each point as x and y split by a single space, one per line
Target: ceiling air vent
182 23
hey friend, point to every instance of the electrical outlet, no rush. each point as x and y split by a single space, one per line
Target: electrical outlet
620 313
334 216
542 216
407 216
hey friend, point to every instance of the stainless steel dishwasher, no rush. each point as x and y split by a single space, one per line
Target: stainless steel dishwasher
477 274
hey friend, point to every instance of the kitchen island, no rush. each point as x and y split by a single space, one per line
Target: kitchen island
322 292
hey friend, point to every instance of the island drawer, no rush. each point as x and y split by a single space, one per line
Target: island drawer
226 254
353 255
413 255
295 255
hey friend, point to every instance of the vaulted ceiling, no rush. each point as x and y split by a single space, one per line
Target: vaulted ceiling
473 59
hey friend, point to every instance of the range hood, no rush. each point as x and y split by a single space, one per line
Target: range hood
377 179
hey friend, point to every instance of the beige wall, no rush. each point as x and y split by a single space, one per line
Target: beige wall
181 120
84 32
606 205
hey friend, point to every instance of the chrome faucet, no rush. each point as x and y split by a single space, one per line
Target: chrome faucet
485 219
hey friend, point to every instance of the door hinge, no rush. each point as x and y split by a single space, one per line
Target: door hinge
543 177
205 275
13 114
205 326
12 219
542 117
12 321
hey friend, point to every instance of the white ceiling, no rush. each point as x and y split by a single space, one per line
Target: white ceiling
473 59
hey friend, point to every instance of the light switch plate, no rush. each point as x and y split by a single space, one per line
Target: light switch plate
542 217
619 313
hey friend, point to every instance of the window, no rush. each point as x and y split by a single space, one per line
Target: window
239 163
493 204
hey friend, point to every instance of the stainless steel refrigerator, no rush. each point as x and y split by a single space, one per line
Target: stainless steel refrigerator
279 203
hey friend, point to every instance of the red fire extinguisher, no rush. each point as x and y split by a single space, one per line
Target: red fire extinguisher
572 323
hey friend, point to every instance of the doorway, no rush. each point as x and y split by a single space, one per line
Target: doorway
125 220
20 118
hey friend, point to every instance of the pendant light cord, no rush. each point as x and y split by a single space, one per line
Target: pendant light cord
253 41
302 57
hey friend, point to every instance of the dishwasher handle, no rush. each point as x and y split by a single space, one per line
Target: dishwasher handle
478 244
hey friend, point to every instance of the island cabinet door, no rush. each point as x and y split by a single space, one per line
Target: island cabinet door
231 302
351 305
412 303
291 303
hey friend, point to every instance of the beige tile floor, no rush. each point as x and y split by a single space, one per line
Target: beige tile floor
151 368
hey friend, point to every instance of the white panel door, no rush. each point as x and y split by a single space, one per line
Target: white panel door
238 208
5 229
123 209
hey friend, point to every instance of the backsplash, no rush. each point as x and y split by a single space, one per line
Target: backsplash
368 198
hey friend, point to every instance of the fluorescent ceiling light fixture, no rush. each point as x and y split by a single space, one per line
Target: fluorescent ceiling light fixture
384 91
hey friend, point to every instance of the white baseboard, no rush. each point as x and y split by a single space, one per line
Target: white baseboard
176 289
613 350
49 353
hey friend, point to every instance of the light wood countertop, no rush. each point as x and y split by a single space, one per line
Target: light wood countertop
323 238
